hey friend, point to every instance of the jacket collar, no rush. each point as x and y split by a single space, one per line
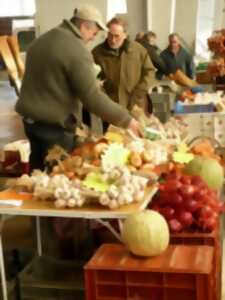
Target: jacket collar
170 51
69 25
117 52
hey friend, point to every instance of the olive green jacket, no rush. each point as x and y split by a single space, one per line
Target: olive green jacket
59 72
128 73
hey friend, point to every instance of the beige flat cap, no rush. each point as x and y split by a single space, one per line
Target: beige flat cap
89 13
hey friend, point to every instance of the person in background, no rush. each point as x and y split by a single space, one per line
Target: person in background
176 57
139 36
127 70
149 42
57 80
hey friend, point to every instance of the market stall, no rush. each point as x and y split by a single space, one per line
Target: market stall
118 176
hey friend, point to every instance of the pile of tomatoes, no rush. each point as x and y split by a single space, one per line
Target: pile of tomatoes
187 202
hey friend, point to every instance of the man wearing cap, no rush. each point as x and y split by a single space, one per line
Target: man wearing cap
59 73
127 70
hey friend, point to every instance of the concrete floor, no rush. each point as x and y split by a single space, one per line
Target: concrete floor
11 129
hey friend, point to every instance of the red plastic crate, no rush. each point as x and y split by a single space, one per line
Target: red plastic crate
180 273
195 238
201 238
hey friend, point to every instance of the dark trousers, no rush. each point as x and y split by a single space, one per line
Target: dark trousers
43 137
86 118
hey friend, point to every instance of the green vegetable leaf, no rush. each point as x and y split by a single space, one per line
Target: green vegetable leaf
94 181
115 156
182 157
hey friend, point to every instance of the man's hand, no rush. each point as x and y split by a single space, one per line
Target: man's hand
135 127
99 83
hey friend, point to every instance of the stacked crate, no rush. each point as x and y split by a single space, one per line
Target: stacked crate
210 239
182 272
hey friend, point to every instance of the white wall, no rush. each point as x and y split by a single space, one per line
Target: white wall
51 12
223 16
158 19
186 20
142 15
137 16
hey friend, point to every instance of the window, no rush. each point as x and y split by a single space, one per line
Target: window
205 26
12 8
116 7
173 15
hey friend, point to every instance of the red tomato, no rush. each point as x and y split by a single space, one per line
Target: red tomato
210 224
174 175
221 206
192 205
200 193
186 218
176 199
206 212
196 180
213 203
167 212
186 179
175 225
162 187
165 197
173 185
215 215
187 191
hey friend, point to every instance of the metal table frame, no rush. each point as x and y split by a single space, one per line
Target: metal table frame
101 217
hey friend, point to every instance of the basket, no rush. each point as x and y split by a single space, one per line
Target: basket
161 102
46 278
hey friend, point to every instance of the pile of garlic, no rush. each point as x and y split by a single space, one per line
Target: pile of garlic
65 192
126 188
158 151
58 188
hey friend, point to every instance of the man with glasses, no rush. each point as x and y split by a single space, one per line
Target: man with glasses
127 70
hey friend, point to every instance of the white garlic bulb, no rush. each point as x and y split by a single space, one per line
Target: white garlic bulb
139 196
113 191
60 203
75 193
121 200
113 204
104 199
80 202
71 203
128 199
